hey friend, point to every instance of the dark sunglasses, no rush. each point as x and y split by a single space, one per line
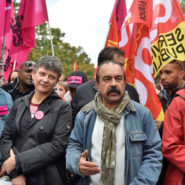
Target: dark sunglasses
30 64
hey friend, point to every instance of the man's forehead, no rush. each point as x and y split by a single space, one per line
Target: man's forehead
112 70
108 67
170 67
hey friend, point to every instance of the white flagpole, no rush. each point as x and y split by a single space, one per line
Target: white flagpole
51 39
14 64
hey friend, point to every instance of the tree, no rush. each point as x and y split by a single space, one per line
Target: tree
182 5
63 50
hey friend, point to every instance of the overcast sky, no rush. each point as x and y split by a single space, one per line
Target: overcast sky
85 22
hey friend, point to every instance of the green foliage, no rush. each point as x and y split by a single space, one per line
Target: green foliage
182 5
64 51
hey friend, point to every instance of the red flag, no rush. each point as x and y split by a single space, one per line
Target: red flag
117 17
75 65
135 41
22 36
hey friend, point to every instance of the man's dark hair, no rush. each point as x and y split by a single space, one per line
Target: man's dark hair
108 54
179 63
107 62
51 63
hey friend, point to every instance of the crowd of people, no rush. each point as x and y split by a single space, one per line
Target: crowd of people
96 132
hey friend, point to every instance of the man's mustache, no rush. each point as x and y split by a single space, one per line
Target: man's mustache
113 89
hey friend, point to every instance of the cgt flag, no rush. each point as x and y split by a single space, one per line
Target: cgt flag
135 41
21 37
117 17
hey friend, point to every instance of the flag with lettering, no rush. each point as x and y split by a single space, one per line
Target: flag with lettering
135 41
117 17
167 33
22 36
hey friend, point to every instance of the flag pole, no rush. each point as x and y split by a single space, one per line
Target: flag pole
51 39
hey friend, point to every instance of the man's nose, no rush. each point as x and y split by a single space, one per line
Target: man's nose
163 76
113 82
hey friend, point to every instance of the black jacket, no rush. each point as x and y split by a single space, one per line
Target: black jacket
41 154
86 92
12 89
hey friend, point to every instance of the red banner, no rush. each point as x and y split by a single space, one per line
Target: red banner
135 41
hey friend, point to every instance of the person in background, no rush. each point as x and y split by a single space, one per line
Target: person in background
13 75
171 78
35 137
23 85
5 103
61 88
173 140
115 140
86 92
75 79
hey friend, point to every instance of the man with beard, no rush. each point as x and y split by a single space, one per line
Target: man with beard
115 140
24 83
171 77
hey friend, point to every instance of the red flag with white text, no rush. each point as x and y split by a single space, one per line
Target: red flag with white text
135 41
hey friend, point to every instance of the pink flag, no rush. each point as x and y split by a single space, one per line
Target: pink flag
34 11
121 11
2 15
22 37
5 15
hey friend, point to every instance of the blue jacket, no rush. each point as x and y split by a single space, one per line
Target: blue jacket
5 106
143 157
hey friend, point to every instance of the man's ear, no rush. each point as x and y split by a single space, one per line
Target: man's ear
97 84
182 73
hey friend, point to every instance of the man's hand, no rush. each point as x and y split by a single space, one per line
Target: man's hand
9 164
2 171
158 124
86 167
19 180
